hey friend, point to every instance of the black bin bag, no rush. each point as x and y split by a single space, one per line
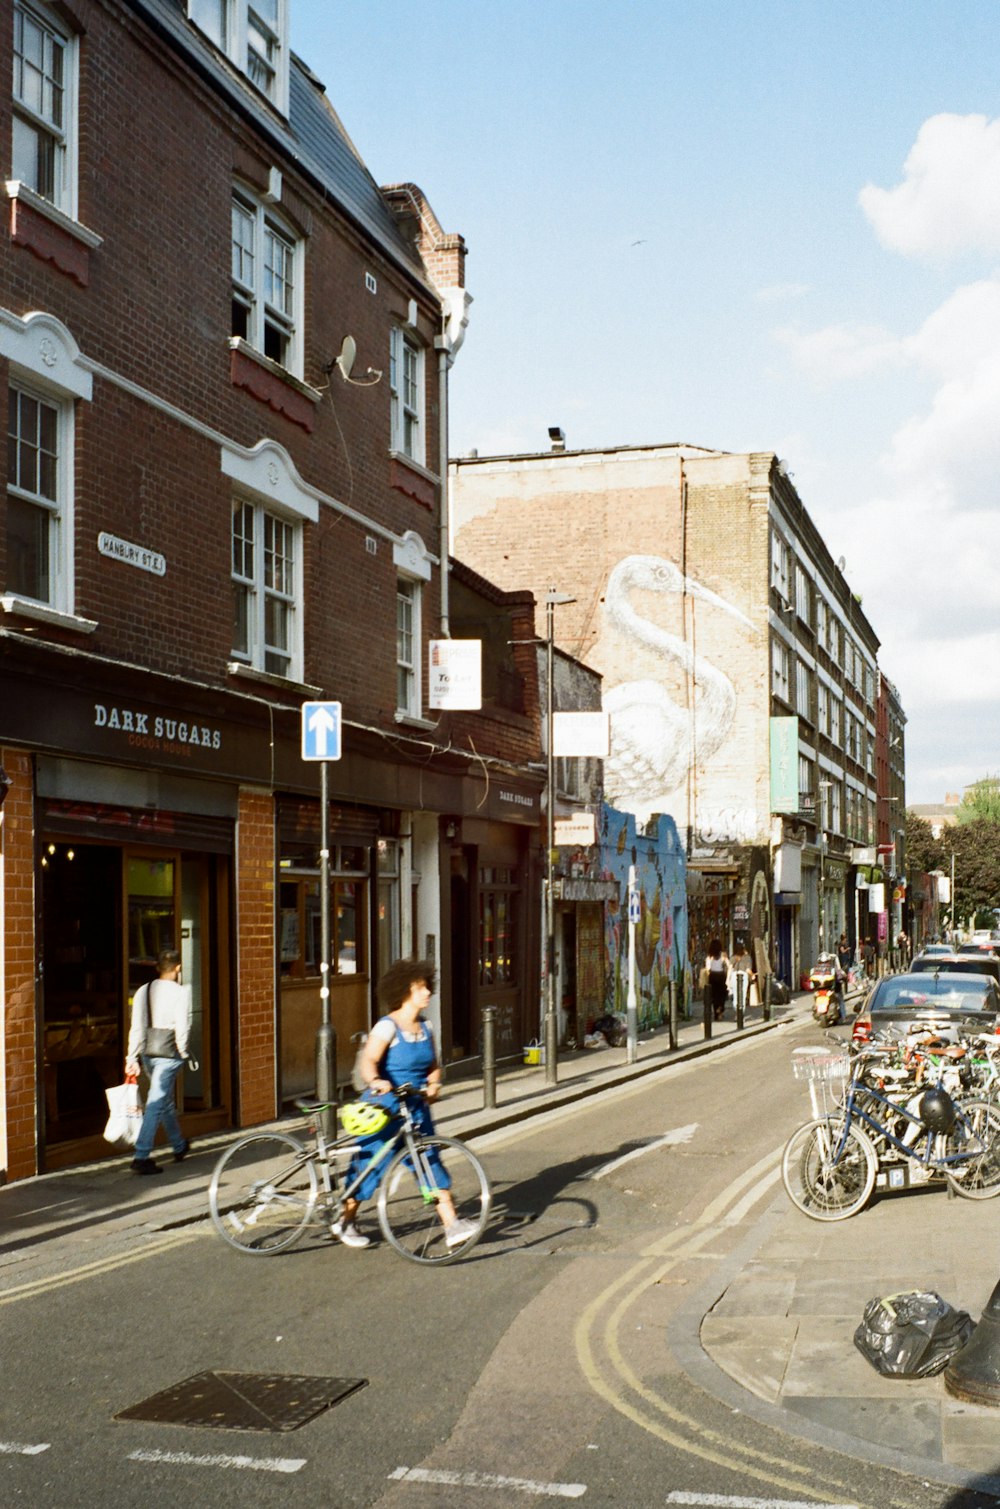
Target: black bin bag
912 1334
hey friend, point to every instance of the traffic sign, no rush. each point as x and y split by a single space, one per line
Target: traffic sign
321 730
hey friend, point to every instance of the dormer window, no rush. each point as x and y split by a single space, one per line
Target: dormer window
253 34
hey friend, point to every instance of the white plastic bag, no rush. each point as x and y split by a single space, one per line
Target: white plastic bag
125 1112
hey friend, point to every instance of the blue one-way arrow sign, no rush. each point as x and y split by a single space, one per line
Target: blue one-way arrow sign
321 730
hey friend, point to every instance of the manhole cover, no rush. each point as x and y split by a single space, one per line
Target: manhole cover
243 1401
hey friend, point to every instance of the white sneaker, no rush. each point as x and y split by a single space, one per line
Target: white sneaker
458 1233
348 1233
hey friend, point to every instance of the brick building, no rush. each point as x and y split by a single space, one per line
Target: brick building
225 355
738 668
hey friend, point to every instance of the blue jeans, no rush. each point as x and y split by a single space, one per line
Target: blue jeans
160 1105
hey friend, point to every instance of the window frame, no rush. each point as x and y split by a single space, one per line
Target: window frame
263 315
780 553
65 135
409 590
59 509
780 671
406 408
259 593
233 36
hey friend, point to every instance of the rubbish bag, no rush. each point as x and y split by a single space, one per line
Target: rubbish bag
912 1334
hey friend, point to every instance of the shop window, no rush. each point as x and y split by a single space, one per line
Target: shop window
498 943
389 939
300 921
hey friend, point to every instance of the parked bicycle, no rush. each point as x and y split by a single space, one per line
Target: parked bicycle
269 1187
871 1124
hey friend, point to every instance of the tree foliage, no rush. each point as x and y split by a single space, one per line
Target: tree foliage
975 844
980 802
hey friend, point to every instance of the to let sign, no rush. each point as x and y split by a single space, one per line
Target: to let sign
321 730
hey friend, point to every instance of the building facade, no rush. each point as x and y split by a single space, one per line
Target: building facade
739 670
225 358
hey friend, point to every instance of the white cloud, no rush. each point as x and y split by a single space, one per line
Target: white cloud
948 203
842 352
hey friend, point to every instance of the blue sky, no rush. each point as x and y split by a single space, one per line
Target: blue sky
752 226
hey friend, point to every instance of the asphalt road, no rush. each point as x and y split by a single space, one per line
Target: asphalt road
539 1370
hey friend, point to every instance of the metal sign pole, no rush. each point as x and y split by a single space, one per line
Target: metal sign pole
326 1037
632 1014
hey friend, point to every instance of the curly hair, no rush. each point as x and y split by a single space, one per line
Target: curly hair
400 978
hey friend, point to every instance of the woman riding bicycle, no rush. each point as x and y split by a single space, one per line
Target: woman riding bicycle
400 1050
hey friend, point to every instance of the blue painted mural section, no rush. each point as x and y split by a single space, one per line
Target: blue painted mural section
661 932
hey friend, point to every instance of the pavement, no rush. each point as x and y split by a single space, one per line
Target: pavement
770 1333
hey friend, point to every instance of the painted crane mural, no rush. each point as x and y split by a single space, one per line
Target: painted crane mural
651 731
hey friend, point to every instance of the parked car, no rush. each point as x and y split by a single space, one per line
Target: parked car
937 948
981 963
948 1002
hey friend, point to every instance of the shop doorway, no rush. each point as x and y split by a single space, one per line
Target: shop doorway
107 911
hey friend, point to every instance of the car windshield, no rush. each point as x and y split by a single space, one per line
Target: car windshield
949 992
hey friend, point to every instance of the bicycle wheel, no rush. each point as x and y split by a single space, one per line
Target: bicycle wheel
822 1185
263 1193
408 1200
976 1133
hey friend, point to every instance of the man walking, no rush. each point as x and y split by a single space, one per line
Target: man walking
161 1026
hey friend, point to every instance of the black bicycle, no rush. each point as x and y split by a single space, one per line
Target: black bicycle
886 1130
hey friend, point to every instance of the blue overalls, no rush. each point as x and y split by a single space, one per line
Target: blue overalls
403 1063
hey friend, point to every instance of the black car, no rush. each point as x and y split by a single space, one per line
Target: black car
949 1002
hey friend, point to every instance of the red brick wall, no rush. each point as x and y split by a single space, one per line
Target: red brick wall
254 965
17 871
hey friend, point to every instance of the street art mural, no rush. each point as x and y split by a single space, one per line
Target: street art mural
652 727
661 932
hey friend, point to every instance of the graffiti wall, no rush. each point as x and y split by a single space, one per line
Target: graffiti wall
661 932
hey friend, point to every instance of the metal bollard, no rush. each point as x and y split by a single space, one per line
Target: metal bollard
489 1058
706 996
767 996
741 992
672 1018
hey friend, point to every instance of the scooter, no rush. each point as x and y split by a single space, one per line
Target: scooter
825 981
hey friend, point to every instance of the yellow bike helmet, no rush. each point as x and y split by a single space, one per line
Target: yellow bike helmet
360 1118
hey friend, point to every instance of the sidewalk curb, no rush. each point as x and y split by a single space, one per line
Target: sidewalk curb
684 1340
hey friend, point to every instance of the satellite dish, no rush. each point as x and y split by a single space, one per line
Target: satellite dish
345 361
841 563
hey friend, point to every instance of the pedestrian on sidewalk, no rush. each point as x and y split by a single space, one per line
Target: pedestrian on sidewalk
400 1050
162 1007
717 964
741 964
844 954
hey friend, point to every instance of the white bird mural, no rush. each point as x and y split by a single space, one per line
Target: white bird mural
651 734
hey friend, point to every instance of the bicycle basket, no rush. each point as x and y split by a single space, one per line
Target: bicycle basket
360 1118
820 1065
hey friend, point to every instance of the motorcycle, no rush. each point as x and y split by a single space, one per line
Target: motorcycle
826 984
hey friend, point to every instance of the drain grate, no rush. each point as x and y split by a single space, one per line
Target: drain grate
243 1401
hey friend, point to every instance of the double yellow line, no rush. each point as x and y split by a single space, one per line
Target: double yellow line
603 1362
95 1269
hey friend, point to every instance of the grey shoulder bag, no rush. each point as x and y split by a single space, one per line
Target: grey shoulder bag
158 1042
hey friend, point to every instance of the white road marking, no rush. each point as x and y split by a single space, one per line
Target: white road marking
726 1501
16 1449
679 1134
487 1480
221 1459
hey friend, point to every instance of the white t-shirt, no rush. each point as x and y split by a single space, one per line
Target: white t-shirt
171 1008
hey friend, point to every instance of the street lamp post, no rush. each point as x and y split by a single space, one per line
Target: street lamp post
551 1032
